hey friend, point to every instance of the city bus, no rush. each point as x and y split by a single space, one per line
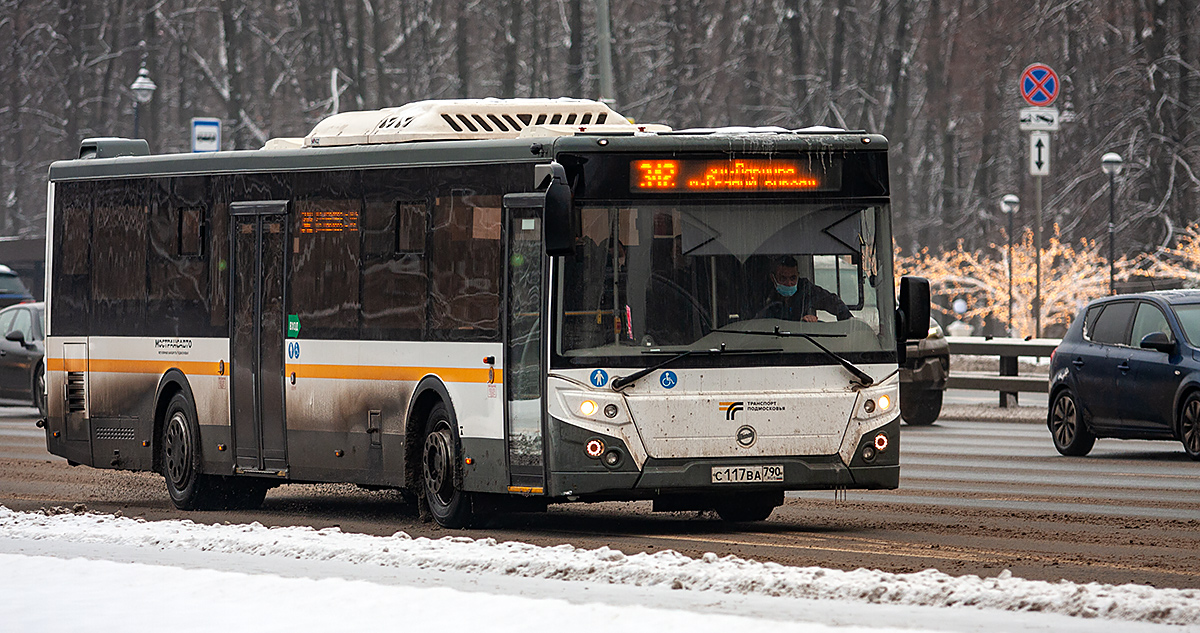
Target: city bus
489 304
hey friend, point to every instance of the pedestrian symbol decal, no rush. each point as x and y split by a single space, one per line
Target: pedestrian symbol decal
599 378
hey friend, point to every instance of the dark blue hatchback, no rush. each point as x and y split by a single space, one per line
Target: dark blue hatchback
1129 368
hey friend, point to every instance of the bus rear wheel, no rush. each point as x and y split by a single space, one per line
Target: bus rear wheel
189 487
449 505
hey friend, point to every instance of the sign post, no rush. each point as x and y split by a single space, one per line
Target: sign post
1039 87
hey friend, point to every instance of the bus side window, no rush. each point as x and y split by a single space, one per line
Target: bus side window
465 253
325 257
72 247
394 281
178 298
120 222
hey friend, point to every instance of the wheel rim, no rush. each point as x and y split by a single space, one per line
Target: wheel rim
177 450
1191 426
439 480
1063 420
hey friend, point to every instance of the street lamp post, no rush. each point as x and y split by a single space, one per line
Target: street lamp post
1010 204
143 90
1111 163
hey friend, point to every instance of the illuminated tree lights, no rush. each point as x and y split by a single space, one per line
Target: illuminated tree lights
1071 276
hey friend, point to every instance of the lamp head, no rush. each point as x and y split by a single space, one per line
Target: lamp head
143 87
1010 204
1111 163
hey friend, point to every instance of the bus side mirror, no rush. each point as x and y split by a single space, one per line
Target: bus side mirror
560 225
912 319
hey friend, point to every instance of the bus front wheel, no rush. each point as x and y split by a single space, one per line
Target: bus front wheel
449 505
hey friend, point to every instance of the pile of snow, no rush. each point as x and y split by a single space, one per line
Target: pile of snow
710 572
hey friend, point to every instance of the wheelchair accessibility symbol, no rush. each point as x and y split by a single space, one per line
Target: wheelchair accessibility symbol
599 378
668 380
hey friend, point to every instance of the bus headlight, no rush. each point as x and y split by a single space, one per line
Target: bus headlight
884 402
588 408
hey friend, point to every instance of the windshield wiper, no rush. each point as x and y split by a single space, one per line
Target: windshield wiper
864 378
621 382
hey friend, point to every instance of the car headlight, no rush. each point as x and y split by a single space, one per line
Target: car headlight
935 330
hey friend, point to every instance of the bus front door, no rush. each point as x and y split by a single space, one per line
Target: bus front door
524 370
257 337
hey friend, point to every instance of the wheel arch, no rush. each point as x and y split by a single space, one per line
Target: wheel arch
429 392
1187 388
172 382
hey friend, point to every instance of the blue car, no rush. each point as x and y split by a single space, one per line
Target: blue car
1129 368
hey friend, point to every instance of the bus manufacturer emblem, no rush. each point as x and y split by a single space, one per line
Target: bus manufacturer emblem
746 436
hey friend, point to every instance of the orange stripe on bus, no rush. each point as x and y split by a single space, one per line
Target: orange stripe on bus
343 372
373 372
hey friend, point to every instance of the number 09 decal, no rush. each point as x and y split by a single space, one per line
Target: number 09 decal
293 350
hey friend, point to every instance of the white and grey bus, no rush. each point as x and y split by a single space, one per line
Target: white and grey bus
492 304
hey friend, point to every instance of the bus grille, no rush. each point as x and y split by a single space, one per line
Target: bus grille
75 392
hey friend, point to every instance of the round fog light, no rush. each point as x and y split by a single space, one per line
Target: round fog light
610 410
868 453
587 407
881 442
594 448
612 458
884 403
869 406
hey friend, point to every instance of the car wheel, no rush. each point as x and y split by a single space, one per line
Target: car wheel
921 408
1189 426
1071 435
39 390
748 508
189 487
450 506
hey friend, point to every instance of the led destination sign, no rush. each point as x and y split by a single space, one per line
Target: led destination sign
739 174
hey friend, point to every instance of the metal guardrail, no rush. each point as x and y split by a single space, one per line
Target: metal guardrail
1008 382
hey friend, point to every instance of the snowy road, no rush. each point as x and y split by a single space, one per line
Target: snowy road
121 574
976 498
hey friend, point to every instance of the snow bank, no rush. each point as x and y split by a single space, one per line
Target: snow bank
710 572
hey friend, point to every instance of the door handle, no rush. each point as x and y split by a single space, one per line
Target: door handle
1124 366
1078 362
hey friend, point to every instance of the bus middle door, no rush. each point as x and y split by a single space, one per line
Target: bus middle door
257 335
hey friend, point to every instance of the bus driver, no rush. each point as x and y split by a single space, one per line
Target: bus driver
798 299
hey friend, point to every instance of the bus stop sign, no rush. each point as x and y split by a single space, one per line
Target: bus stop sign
1039 85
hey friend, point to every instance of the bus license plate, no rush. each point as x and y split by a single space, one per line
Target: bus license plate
746 474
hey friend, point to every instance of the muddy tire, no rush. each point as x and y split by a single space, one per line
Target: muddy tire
441 472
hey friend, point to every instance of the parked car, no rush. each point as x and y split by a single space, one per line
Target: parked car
923 377
22 376
1129 368
12 289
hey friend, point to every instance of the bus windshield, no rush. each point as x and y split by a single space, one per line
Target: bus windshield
660 278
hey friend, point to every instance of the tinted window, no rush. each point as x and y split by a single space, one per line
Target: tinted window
1112 327
1149 319
325 254
71 253
11 285
465 265
395 279
179 293
1089 321
6 320
120 222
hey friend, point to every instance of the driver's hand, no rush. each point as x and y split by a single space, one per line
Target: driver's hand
811 318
